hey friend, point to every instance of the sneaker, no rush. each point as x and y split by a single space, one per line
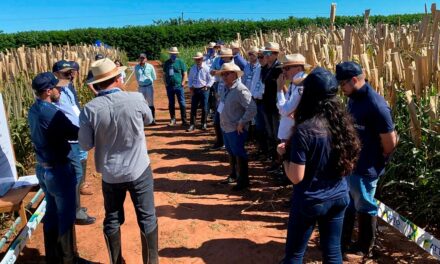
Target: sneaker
229 180
190 128
172 122
203 127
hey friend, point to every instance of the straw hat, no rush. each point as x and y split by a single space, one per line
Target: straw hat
226 53
293 59
104 69
211 45
235 45
253 50
230 67
173 50
198 55
272 46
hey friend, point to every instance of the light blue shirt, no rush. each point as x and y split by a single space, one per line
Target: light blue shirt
200 77
145 75
251 79
68 106
209 60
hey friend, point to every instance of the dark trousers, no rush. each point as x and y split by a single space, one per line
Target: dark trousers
212 100
141 193
303 217
272 122
234 143
180 94
199 97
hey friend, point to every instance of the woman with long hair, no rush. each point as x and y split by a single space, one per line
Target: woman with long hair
323 149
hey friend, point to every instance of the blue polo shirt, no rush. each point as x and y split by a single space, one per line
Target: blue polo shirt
50 130
372 116
311 146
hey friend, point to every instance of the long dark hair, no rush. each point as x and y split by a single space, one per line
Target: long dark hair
330 114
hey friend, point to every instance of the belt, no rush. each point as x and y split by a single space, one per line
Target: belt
147 85
203 87
48 165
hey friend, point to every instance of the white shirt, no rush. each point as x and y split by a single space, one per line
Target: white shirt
288 102
200 77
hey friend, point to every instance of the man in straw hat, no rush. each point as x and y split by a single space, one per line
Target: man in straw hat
269 76
238 59
225 56
113 123
293 67
94 88
175 74
252 80
145 77
236 110
212 99
374 123
78 157
210 55
199 83
50 132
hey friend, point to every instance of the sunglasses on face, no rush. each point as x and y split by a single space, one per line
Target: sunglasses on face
260 57
251 54
288 68
343 83
224 74
267 53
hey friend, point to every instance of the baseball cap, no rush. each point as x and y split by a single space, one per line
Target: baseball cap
321 83
74 65
47 80
347 70
99 57
61 66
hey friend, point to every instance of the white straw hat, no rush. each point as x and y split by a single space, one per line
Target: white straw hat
272 46
104 69
293 59
198 55
230 67
226 53
173 50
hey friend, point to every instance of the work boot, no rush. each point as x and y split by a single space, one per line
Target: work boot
243 174
113 242
233 175
367 235
150 254
51 246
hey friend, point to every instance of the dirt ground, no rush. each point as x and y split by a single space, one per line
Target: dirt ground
200 220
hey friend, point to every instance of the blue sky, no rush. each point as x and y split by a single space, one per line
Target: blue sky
21 15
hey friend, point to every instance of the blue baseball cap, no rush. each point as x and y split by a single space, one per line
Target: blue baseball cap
61 66
321 83
74 65
99 57
47 80
347 70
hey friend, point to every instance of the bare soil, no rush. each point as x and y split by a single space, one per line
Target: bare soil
200 220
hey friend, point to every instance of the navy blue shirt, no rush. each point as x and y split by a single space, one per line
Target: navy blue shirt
311 146
372 116
50 131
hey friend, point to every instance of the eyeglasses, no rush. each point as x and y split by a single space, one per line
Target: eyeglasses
267 53
288 68
251 54
260 56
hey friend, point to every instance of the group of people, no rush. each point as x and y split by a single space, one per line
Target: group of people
334 155
62 132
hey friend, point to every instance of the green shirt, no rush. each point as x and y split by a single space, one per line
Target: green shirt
174 71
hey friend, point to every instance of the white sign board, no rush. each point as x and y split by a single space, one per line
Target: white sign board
8 171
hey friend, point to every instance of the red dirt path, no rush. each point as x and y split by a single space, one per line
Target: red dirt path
201 221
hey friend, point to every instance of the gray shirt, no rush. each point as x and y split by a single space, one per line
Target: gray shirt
113 123
238 107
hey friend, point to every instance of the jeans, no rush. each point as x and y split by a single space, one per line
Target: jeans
234 143
141 193
199 97
302 219
259 118
362 191
75 156
148 93
212 99
180 94
58 184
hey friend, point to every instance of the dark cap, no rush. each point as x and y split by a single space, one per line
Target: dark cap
44 81
347 70
61 66
99 57
74 65
219 43
142 55
321 83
